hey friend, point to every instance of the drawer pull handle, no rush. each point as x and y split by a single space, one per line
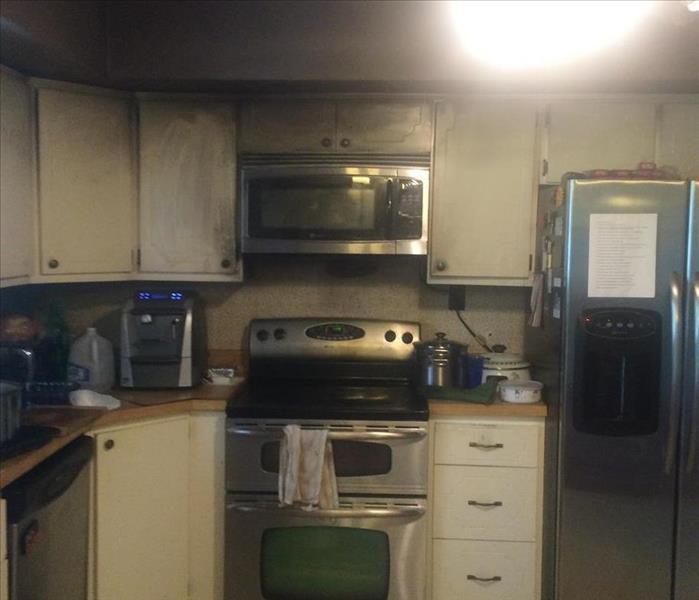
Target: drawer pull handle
488 504
484 446
484 579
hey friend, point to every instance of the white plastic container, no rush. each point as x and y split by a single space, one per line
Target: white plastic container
91 362
520 392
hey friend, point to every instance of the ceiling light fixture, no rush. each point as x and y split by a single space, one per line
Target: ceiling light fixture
693 6
541 33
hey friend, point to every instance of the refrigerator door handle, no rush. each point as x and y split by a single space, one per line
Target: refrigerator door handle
692 446
676 369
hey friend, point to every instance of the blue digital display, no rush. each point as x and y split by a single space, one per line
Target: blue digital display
160 296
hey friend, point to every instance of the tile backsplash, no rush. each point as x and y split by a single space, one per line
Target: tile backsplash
293 286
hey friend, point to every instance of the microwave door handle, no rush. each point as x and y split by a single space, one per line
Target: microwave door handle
365 435
364 512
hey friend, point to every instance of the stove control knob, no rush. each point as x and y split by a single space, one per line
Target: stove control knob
390 335
262 335
279 333
407 338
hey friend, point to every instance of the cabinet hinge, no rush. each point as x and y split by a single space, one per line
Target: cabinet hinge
138 257
544 167
531 259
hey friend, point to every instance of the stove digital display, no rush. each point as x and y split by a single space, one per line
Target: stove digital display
335 332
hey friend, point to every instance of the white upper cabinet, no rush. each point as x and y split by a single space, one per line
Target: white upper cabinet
484 191
594 134
86 184
678 138
16 178
384 127
290 126
187 188
351 126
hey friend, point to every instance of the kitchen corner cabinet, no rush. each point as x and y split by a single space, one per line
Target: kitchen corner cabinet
141 511
187 181
347 126
582 135
487 499
483 192
16 178
86 183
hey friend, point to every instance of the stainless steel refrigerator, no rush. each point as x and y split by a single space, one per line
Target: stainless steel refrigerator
614 336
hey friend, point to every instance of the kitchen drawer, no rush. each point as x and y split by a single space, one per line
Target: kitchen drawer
514 563
511 491
509 445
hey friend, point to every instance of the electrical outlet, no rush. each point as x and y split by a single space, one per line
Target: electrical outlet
457 297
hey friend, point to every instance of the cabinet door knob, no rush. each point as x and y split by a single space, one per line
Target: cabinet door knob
53 263
326 142
344 142
225 263
441 265
109 444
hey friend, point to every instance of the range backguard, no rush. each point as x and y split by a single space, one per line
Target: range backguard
617 371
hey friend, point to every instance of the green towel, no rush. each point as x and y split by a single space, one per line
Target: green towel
483 394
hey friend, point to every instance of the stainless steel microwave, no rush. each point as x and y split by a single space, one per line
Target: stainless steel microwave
332 209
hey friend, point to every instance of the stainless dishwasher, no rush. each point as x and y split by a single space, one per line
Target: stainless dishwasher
47 514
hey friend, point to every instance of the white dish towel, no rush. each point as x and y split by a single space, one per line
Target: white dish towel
307 469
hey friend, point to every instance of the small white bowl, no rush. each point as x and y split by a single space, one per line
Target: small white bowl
520 392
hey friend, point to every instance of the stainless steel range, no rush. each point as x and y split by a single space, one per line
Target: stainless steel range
353 378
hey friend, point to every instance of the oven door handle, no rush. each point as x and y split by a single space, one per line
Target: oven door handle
337 513
367 435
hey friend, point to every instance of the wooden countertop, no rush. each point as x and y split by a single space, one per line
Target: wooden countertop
142 404
135 405
457 408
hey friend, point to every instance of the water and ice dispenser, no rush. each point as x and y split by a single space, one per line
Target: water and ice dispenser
617 371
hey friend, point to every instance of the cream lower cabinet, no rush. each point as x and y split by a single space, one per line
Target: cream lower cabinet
487 498
158 509
206 504
483 192
141 510
4 570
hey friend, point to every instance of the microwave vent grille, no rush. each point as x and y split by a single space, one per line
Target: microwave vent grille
333 160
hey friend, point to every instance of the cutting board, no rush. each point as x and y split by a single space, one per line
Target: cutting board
64 418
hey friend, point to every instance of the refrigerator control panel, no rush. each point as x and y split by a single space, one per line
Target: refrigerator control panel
618 324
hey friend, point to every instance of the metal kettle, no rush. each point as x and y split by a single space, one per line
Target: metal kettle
439 361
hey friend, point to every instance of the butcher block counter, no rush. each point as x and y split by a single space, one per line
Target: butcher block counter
144 404
135 405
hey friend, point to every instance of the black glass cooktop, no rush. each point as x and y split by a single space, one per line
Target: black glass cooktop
288 399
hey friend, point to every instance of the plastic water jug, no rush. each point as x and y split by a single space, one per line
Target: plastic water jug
91 362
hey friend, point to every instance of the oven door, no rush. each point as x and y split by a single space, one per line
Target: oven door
367 549
369 458
317 209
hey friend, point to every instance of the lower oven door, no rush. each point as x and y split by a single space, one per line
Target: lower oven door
367 549
373 458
